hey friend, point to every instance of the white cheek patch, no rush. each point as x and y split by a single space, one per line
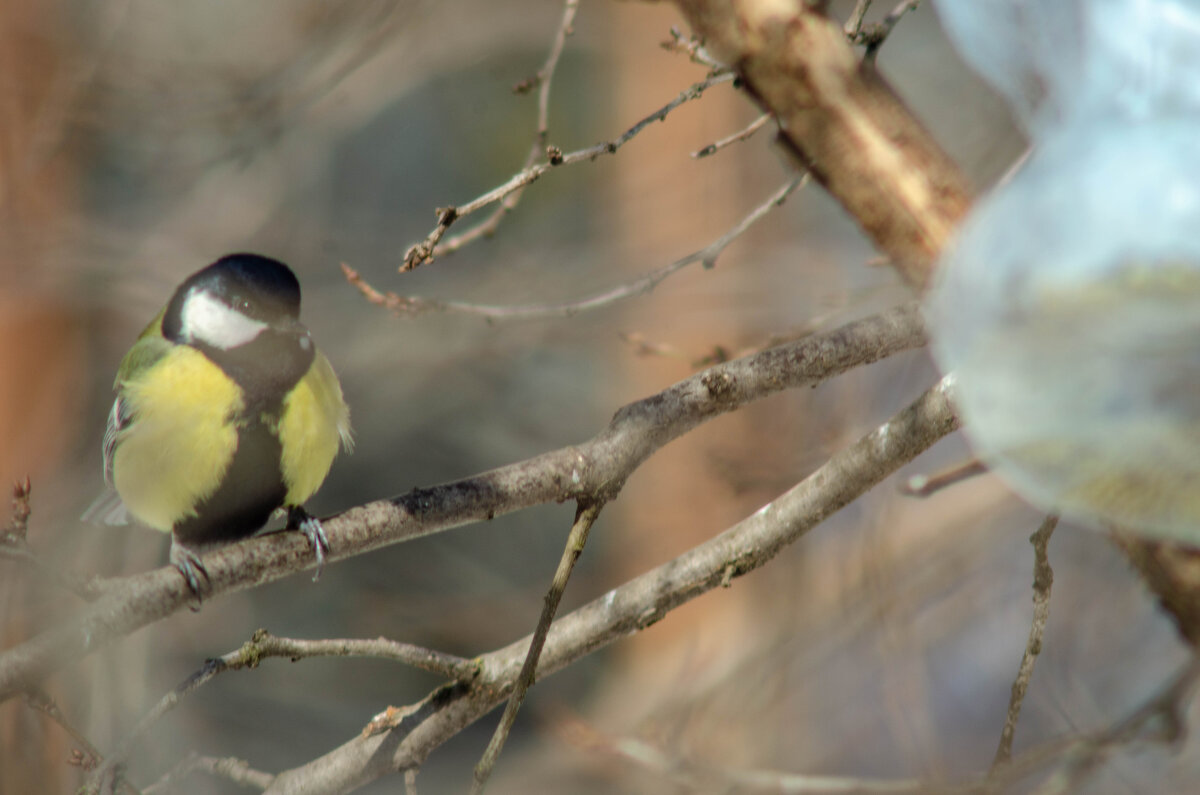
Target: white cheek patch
207 319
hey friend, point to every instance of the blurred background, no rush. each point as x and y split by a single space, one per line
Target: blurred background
140 141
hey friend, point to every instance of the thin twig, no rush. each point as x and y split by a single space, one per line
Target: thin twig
18 526
1085 754
740 135
855 21
39 700
707 256
236 770
693 48
14 546
85 755
88 589
263 645
585 517
875 35
1043 582
928 485
427 250
543 79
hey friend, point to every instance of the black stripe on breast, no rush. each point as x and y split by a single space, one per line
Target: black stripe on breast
251 489
266 369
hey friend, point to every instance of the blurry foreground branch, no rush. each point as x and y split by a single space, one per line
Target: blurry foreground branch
847 127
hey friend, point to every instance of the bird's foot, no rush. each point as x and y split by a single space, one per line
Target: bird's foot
300 519
189 565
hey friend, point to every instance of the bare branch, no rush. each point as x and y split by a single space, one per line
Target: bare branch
928 485
640 602
740 135
843 122
14 546
427 250
707 256
543 79
1162 714
595 469
263 645
693 48
585 517
854 22
1043 581
18 526
84 755
236 770
875 35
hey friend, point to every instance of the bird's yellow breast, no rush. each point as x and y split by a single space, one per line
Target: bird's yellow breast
181 440
314 420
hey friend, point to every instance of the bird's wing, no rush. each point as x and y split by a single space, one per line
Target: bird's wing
149 348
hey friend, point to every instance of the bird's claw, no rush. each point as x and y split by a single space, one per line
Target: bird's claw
189 565
310 526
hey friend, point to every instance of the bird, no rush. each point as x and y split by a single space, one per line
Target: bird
225 413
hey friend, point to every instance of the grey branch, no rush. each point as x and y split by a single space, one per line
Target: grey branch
740 135
544 79
263 645
1043 581
640 286
638 603
585 517
928 485
595 470
425 251
236 770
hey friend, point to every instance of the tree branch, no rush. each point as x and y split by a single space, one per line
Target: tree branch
1043 581
236 770
427 249
737 137
544 78
585 517
263 645
595 470
842 121
707 256
405 743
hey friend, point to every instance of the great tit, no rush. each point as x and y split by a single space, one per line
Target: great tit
225 412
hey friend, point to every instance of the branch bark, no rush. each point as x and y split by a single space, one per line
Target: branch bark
843 122
635 605
594 470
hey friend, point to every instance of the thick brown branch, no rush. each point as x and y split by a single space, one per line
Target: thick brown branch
843 122
593 470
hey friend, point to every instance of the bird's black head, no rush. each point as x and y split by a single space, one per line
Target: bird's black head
231 301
